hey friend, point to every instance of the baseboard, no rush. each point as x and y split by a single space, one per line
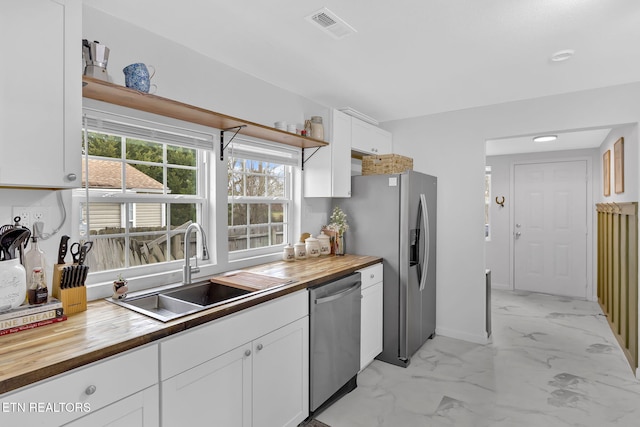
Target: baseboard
464 336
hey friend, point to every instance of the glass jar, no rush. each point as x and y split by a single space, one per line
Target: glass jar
317 129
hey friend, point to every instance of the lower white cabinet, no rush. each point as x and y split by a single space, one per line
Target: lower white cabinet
138 410
262 381
121 390
371 314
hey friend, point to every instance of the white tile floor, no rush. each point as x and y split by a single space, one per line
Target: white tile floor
553 361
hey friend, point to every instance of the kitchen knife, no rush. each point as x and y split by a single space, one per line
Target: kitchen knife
63 278
62 249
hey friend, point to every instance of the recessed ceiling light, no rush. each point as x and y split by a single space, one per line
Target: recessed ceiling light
545 138
562 55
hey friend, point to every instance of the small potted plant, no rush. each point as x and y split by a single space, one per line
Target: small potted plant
120 287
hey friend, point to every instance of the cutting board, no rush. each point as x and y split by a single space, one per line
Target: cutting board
250 281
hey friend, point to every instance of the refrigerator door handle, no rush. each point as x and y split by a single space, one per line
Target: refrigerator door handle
425 235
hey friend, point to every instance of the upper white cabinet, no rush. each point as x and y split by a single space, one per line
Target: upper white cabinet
327 173
368 139
41 102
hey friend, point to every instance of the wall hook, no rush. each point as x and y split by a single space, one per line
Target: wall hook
500 202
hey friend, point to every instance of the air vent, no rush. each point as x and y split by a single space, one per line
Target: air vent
329 22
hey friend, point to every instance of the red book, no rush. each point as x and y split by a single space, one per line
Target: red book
33 325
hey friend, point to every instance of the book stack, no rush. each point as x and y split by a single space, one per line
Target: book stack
31 316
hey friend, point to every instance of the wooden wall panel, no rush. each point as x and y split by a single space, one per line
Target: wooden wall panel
617 287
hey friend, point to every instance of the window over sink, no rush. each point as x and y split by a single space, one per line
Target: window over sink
143 184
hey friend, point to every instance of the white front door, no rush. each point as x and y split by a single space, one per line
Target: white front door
550 228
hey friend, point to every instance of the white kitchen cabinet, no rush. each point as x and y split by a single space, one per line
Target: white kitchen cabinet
327 173
371 314
369 139
247 369
41 102
138 410
112 386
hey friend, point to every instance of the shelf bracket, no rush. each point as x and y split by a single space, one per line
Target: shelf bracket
310 156
224 146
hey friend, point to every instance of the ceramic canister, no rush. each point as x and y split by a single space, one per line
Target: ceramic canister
13 283
313 246
288 253
325 244
300 250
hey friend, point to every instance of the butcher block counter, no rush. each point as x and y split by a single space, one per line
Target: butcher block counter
107 329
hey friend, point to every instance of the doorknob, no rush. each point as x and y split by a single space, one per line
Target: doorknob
518 225
518 234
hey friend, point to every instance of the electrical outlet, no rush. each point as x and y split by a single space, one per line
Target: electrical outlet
30 215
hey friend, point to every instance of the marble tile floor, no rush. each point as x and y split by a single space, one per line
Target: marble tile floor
552 361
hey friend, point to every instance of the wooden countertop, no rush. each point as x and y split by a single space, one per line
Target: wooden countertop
107 329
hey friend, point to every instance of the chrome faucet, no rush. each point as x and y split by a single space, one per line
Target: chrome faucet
187 270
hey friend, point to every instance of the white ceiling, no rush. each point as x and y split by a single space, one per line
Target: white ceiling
566 141
408 58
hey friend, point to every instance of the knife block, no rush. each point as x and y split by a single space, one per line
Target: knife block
74 300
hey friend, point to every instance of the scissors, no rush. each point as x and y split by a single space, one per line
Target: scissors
79 252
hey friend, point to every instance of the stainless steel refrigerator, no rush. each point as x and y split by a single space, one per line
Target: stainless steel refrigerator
394 217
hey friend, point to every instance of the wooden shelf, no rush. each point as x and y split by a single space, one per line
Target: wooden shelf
123 96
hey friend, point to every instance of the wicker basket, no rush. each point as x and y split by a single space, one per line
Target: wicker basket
385 164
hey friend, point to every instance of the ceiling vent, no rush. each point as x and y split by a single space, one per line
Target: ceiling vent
329 22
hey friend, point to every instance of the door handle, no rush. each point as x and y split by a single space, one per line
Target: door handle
517 234
425 262
338 295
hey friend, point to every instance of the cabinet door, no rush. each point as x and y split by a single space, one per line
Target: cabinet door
41 102
217 392
281 376
371 324
140 410
328 172
369 139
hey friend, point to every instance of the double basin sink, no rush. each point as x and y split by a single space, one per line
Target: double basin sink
188 299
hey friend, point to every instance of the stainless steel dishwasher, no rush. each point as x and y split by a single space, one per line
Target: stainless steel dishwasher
334 349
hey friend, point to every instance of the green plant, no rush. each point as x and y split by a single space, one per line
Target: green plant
338 221
120 279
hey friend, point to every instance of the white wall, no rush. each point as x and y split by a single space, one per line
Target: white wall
499 257
189 77
631 178
452 147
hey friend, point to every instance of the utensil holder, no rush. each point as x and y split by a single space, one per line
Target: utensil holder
74 299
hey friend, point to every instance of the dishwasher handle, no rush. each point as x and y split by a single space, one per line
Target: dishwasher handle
338 295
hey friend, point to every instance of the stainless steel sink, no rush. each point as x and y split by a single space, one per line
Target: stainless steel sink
173 303
207 294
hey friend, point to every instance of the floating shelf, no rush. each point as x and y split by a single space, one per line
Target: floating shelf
125 97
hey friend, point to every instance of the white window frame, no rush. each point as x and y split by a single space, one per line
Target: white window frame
243 147
169 269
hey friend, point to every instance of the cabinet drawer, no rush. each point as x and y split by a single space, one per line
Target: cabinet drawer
197 345
371 275
84 390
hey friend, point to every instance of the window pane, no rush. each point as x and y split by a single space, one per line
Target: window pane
182 213
144 151
258 213
255 185
259 236
107 253
104 145
276 187
277 234
182 181
145 178
237 213
254 166
181 156
148 248
103 174
237 238
277 212
236 184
